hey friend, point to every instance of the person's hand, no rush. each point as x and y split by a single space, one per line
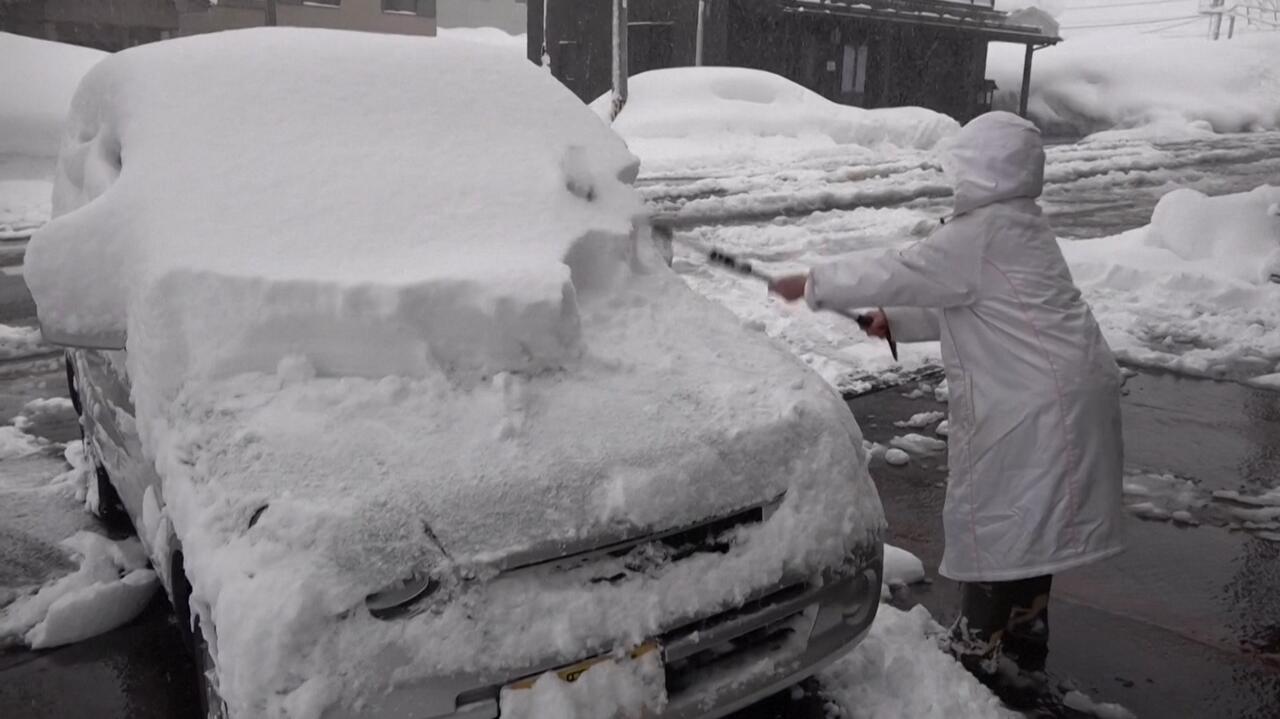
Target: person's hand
878 326
790 287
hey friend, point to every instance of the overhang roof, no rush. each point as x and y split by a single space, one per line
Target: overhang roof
980 19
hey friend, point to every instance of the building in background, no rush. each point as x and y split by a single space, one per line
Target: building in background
117 24
506 15
103 24
869 53
404 17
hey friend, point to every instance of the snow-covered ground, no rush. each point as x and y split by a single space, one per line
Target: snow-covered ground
1146 85
35 93
61 580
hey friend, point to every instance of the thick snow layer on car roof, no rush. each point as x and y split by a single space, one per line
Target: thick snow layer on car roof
254 190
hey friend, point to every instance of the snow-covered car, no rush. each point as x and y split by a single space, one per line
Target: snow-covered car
373 346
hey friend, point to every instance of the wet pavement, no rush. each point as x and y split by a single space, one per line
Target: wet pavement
1186 623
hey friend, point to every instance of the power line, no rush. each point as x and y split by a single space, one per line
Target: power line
1133 3
1170 27
1132 22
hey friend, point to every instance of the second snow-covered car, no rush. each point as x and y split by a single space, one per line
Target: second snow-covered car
374 348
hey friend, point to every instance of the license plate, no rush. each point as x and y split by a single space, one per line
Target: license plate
642 671
573 672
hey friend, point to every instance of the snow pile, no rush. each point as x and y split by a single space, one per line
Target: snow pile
497 366
1163 497
1190 292
1163 85
901 567
1238 235
896 457
679 113
917 444
35 92
486 36
14 442
921 420
899 671
18 341
111 586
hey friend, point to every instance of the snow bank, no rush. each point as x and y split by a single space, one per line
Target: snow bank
899 671
1094 83
111 586
1191 291
497 365
700 111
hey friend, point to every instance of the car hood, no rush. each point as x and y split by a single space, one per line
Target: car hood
677 415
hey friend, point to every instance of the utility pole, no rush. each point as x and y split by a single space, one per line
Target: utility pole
619 58
271 13
1215 23
697 48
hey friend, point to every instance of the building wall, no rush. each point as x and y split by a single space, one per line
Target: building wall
103 24
661 33
508 15
861 62
363 15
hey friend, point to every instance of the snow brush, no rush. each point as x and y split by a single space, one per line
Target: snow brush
744 267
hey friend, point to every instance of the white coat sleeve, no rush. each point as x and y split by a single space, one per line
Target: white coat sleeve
913 324
942 270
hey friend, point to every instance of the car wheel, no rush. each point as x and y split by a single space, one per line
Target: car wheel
206 682
211 704
110 509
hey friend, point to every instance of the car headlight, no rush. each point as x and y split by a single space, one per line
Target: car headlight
402 597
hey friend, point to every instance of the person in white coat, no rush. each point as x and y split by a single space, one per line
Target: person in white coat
1035 454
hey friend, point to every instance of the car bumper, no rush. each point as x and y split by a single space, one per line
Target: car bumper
713 667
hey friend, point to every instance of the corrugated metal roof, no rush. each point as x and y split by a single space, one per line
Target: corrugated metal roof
977 16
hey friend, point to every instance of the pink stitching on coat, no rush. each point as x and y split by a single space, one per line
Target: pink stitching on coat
1073 458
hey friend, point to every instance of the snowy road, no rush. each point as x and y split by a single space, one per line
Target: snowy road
788 210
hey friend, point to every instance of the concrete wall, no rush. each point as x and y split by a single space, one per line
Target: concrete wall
364 15
508 15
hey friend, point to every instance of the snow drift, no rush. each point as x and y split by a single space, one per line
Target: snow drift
1163 85
1192 291
718 110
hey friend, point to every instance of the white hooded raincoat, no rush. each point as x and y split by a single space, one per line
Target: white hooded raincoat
1036 456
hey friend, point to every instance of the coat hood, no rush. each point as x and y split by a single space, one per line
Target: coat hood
997 156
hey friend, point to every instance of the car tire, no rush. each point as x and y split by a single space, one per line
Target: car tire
110 507
211 705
